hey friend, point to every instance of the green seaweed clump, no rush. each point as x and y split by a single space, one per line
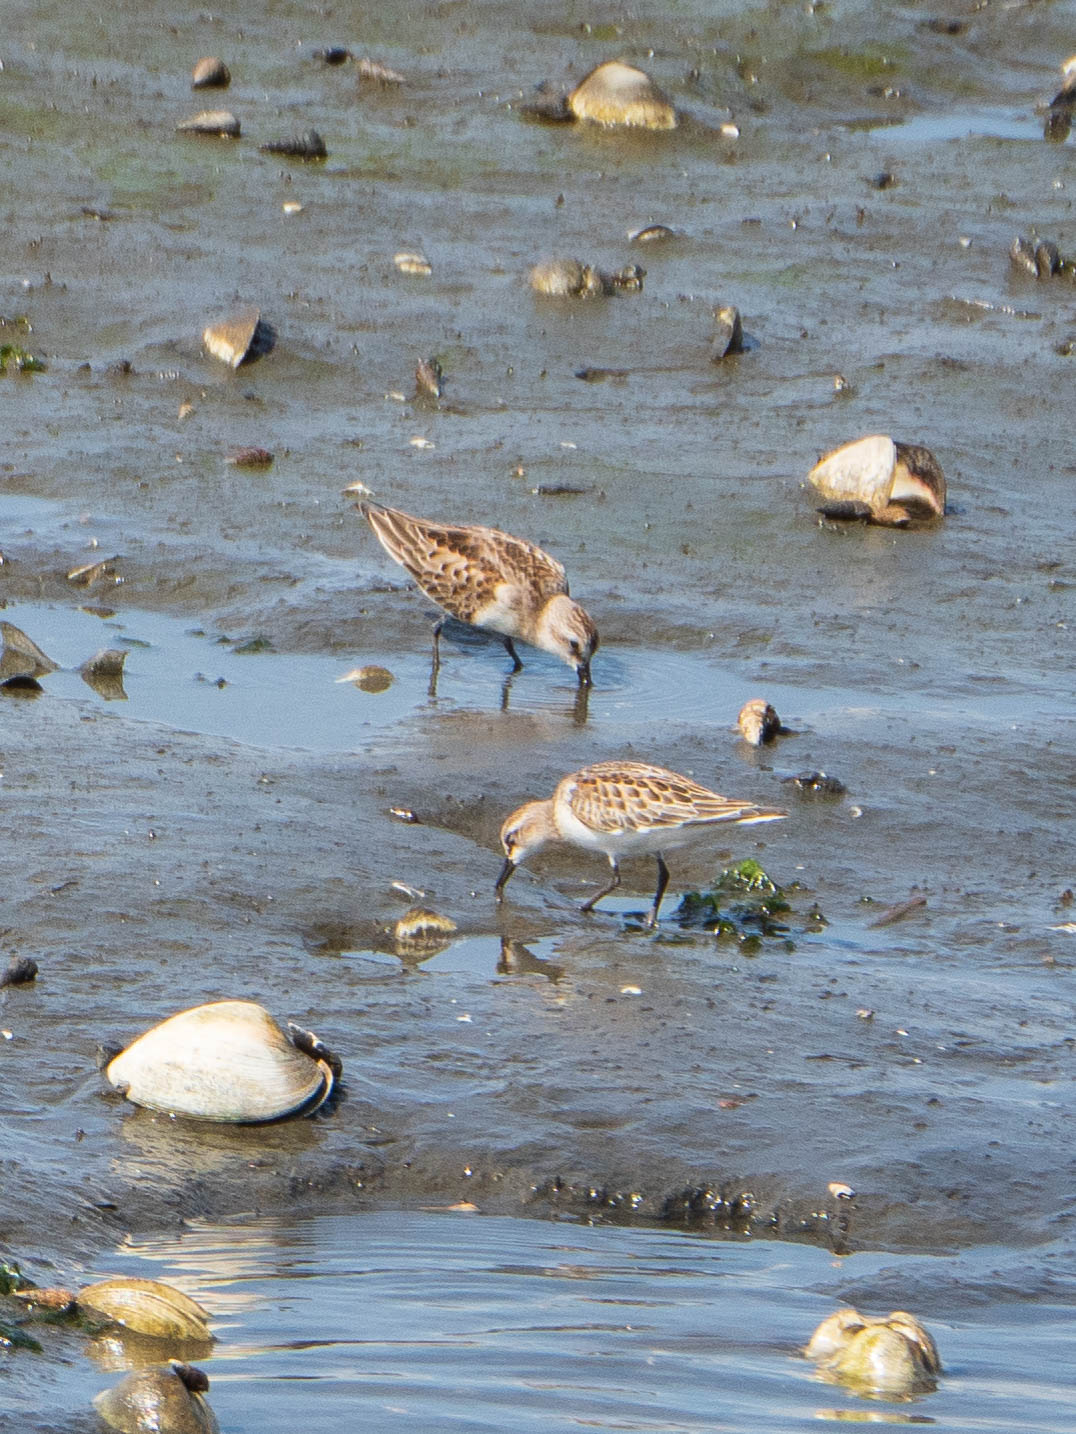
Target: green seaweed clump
743 903
20 359
10 1277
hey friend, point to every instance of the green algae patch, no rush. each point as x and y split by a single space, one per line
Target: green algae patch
15 359
744 904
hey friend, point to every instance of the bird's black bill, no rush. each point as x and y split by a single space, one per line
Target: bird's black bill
506 871
583 673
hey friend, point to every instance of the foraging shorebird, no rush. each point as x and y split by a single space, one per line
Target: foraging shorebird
623 809
490 580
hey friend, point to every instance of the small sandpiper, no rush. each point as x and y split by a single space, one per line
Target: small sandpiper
491 580
623 809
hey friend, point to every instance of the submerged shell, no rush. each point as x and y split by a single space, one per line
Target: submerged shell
834 1333
619 94
146 1307
226 1061
881 480
878 1354
158 1401
212 122
880 1359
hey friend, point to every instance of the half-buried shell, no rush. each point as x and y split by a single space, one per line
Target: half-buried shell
619 94
146 1307
880 480
226 1061
167 1400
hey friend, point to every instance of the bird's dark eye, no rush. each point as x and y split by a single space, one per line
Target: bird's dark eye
573 647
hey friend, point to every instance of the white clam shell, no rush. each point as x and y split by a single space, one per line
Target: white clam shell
227 1061
861 471
618 94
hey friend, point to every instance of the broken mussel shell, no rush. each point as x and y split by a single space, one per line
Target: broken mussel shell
881 481
147 1307
227 1061
239 338
210 73
618 94
758 722
221 124
308 145
887 1354
429 378
164 1400
652 234
376 73
20 656
728 333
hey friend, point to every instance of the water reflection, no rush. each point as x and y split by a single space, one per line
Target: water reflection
415 1319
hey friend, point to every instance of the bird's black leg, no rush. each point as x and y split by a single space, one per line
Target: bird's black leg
435 669
517 666
663 881
589 905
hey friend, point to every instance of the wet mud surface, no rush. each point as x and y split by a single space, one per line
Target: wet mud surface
200 841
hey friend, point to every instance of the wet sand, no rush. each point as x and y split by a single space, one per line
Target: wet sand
197 841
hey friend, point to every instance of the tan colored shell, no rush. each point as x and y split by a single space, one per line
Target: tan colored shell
566 279
618 94
758 722
226 1061
889 483
157 1401
892 1354
229 339
881 1360
146 1307
210 73
211 122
